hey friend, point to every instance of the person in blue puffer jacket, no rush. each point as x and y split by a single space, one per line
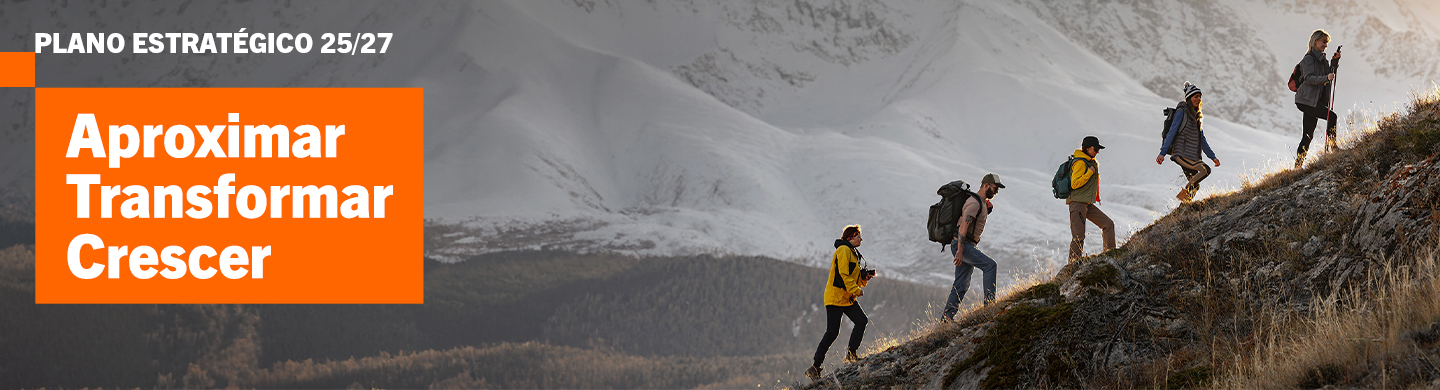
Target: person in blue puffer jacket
1185 141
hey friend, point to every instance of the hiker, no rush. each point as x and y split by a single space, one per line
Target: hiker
1185 141
1312 95
843 286
967 257
1084 195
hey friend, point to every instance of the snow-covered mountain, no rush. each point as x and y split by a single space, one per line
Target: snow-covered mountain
1243 49
762 127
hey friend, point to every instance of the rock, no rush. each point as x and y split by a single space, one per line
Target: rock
1226 244
1427 335
1152 274
1313 246
1178 328
1396 217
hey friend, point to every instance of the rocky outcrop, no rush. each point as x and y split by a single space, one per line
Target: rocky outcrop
1399 214
1205 283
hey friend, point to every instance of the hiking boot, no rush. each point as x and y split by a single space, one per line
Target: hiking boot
1187 194
813 373
850 357
1299 160
947 320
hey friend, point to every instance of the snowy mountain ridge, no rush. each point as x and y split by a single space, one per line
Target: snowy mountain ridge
762 127
1245 49
816 114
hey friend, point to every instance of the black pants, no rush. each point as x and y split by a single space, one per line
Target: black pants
1312 115
832 328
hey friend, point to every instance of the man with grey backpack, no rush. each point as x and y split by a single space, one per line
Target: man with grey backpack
967 257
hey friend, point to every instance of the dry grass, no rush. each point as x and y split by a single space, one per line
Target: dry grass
1362 335
968 315
1250 342
1361 330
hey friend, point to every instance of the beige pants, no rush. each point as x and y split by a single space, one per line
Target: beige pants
1195 171
1079 213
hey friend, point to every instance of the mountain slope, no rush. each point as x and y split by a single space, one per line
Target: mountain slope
626 156
1243 289
761 127
815 114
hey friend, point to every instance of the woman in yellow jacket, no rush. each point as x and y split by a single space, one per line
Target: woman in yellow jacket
841 289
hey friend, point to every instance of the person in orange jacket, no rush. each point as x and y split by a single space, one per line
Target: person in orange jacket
842 287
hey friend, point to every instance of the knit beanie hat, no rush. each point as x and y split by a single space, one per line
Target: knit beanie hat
1190 90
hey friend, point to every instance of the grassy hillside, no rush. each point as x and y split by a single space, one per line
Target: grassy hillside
532 319
1304 278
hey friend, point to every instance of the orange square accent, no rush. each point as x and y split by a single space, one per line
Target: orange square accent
17 69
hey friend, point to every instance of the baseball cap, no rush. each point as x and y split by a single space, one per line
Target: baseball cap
992 178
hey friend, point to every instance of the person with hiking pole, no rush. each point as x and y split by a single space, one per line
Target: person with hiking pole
1084 198
844 285
973 215
1185 141
1312 94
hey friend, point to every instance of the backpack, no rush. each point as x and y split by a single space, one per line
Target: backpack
1295 79
1060 185
1169 117
945 215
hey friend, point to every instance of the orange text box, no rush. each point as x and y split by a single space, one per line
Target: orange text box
351 256
17 69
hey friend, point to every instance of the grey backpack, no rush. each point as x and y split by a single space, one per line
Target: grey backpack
945 215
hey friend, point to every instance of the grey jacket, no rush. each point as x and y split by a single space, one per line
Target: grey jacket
1314 89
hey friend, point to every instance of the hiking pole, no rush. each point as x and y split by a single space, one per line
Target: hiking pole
1335 68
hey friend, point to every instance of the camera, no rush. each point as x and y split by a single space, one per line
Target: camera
866 273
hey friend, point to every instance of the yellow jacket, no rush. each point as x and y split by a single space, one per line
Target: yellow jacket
844 281
1081 187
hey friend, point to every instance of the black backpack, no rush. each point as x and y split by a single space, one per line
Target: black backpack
1169 117
945 215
